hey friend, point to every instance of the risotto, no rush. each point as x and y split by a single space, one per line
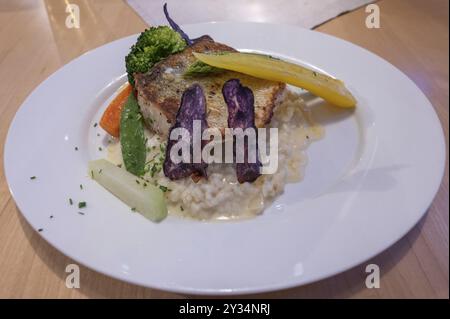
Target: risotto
221 196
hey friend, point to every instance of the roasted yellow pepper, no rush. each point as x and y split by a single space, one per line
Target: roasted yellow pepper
269 68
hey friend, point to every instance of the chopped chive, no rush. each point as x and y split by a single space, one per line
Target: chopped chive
33 177
95 124
70 201
100 149
81 213
81 204
181 207
92 174
81 186
119 165
133 209
100 171
163 188
137 182
40 230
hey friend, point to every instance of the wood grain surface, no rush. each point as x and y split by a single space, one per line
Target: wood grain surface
34 43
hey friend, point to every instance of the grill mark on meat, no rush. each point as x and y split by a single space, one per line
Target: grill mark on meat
160 89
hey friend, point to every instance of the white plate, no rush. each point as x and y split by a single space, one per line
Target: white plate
368 181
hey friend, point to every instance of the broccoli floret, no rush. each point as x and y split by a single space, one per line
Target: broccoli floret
152 45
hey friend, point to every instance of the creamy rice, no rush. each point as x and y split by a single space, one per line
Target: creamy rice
221 196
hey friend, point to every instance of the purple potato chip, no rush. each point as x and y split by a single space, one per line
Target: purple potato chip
193 107
175 26
241 114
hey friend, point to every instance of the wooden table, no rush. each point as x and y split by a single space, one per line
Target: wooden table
34 43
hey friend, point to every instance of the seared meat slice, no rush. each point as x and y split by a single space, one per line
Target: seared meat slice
160 90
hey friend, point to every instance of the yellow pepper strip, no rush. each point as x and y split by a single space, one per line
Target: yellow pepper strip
269 68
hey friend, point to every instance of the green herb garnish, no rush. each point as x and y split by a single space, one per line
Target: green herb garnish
163 188
81 204
199 68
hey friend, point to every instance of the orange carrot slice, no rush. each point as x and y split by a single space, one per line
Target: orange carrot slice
110 120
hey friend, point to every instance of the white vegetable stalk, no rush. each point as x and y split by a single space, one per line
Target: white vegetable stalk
142 197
